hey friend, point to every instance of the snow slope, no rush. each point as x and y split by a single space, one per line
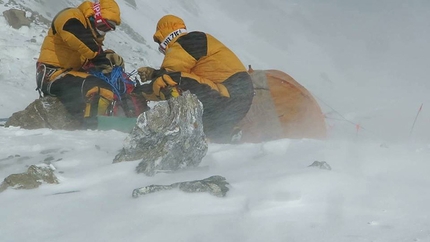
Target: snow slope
365 62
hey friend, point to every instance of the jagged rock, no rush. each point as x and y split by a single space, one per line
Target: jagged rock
215 185
33 178
16 18
321 164
167 138
46 112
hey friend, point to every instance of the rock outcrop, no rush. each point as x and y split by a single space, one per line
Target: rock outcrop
46 112
16 18
167 138
32 178
214 185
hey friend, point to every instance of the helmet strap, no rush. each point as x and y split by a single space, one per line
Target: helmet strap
171 36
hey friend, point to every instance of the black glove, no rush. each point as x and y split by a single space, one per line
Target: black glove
146 91
146 88
149 73
114 58
101 61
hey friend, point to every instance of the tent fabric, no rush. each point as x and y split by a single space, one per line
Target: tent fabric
282 108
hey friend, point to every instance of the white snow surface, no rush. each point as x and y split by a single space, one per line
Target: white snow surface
366 62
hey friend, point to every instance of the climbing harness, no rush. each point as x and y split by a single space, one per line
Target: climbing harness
44 73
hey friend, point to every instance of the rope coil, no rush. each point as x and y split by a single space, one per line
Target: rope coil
116 79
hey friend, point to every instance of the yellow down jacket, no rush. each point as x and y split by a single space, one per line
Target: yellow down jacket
197 56
72 39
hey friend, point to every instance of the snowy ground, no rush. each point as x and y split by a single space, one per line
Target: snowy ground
363 66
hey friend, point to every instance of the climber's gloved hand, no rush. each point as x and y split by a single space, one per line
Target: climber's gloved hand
146 91
169 92
106 60
97 63
100 60
114 58
164 87
146 73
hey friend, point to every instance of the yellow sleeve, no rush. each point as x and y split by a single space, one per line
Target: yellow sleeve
178 60
74 31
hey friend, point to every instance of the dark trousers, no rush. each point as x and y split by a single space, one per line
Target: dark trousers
222 114
76 92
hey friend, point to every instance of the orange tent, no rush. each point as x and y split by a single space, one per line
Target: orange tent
282 108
